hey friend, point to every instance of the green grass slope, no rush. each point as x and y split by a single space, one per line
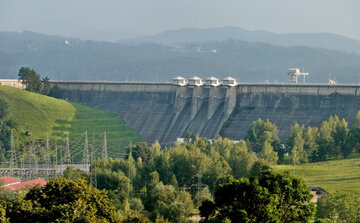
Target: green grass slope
40 115
336 175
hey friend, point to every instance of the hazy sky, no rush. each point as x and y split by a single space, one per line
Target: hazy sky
116 19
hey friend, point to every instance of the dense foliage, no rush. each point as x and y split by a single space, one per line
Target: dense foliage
271 197
338 207
62 200
333 139
170 183
5 130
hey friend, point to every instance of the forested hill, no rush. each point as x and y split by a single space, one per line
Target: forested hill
190 35
72 59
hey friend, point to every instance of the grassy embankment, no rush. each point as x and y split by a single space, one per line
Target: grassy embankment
335 175
40 115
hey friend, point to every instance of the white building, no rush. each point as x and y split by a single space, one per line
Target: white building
229 81
212 81
196 81
180 81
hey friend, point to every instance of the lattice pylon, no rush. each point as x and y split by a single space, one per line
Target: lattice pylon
86 158
105 150
93 164
47 158
12 161
67 150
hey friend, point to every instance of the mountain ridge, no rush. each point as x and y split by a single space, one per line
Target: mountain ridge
188 35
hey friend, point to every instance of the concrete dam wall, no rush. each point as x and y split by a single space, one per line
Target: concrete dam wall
163 112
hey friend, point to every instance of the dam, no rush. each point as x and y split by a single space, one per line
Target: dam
164 112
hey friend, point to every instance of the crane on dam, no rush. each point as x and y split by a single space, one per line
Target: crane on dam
295 73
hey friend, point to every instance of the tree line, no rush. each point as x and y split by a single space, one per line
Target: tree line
333 139
33 82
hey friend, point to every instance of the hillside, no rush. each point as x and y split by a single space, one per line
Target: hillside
63 58
191 35
337 175
40 115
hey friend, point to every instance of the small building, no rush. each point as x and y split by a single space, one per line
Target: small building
229 81
212 81
196 81
27 184
14 184
13 83
180 81
8 181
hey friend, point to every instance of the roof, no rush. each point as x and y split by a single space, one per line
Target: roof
9 180
229 79
178 78
212 79
27 184
196 78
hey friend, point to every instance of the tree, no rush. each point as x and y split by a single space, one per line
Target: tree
136 218
259 167
268 154
62 200
295 155
33 82
354 135
46 86
165 201
259 132
71 173
297 138
241 160
272 197
3 214
31 79
310 145
339 207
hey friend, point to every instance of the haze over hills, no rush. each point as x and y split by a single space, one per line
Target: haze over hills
190 35
73 59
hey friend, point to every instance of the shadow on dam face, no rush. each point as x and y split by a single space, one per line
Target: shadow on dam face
164 112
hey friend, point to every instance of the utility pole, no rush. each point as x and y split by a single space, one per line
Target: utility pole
105 152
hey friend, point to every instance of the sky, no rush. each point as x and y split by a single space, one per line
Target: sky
113 20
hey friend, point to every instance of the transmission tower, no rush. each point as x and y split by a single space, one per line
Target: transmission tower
22 168
33 167
67 150
105 151
86 160
199 186
56 162
47 158
93 164
130 159
12 153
